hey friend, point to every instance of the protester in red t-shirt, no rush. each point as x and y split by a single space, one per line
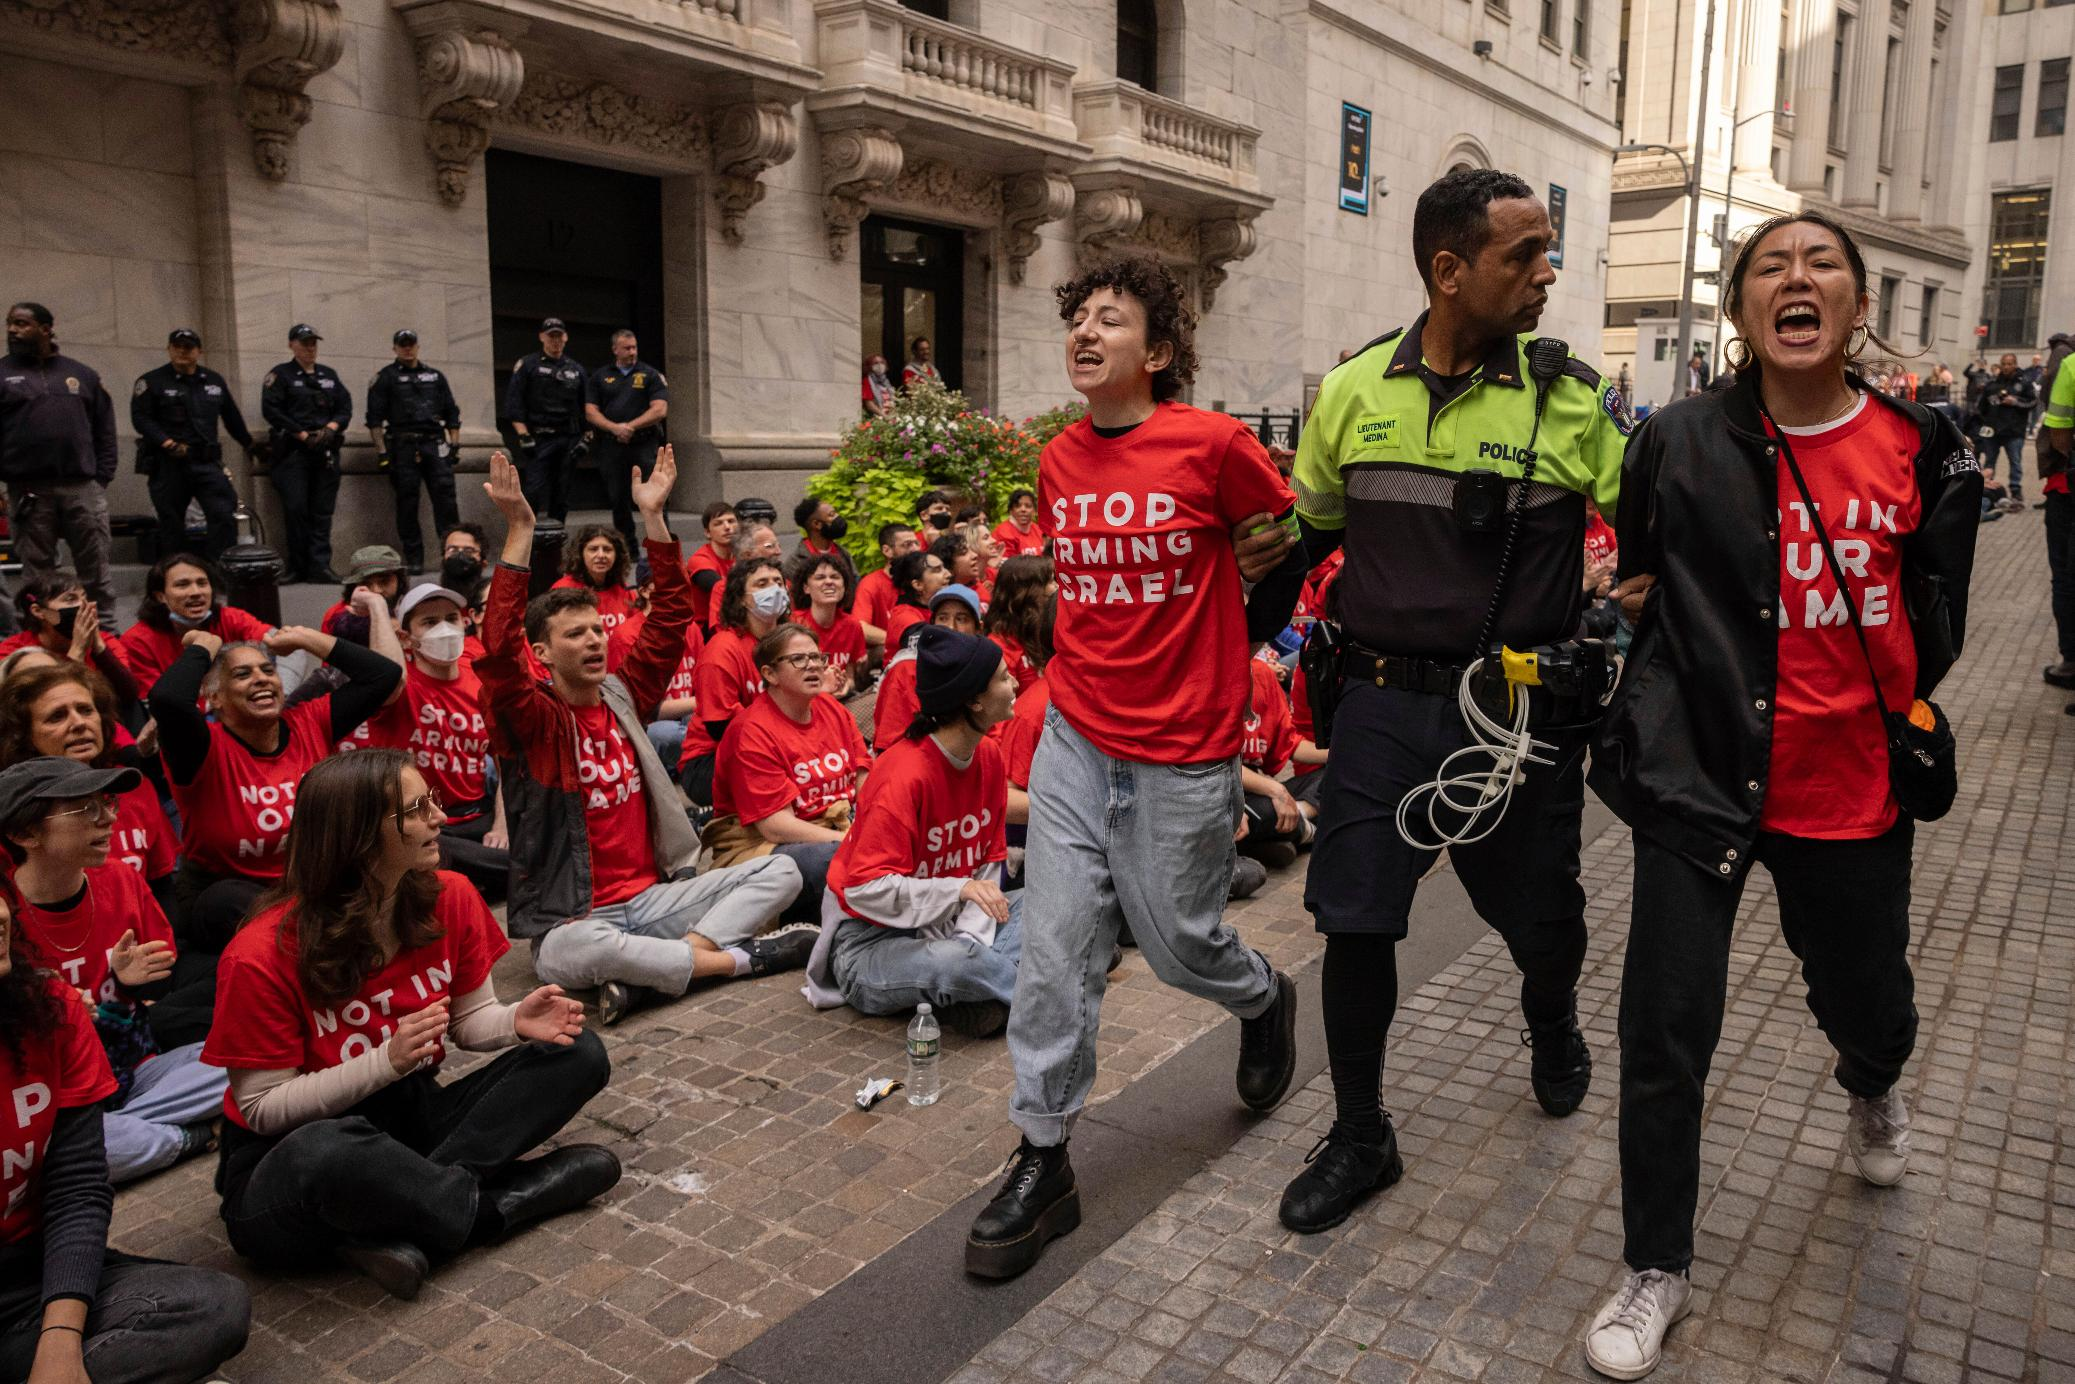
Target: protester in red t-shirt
1278 826
1018 535
235 778
63 1291
595 559
788 768
822 591
916 577
952 607
335 1008
181 594
1024 590
1307 759
754 602
1602 553
57 618
377 568
1148 682
875 593
602 850
915 911
92 921
708 566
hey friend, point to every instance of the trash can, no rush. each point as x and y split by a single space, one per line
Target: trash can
548 535
252 580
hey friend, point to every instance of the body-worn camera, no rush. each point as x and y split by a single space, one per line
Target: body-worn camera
1480 501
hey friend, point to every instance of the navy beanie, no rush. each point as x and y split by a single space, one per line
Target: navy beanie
952 668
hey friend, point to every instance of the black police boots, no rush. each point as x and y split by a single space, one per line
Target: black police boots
1340 1173
1268 1050
1562 1070
1038 1202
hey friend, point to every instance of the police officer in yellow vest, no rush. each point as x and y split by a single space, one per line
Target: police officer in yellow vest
1453 459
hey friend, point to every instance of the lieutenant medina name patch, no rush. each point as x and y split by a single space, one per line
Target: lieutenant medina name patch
1376 430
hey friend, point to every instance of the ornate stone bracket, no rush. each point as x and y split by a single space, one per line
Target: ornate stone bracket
748 139
1105 218
1221 241
281 45
467 78
855 164
1030 200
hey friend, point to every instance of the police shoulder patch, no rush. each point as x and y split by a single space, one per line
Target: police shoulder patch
1616 409
141 387
662 379
268 382
1959 463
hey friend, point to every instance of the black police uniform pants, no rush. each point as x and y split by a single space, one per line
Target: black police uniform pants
616 463
544 473
1522 878
307 479
2060 566
151 1322
416 462
1844 910
177 482
408 1163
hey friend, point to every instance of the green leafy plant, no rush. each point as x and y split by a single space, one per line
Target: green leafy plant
935 439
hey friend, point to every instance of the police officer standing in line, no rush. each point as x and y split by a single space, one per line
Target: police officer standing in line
174 411
57 454
1416 459
416 425
625 404
309 409
545 402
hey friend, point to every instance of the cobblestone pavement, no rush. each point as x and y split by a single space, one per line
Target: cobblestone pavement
1490 1258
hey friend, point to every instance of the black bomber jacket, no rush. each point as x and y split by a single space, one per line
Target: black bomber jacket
1682 752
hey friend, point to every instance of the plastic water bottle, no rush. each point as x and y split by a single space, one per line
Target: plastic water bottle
924 1041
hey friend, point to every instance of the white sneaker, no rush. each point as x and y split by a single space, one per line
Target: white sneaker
1628 1334
1879 1138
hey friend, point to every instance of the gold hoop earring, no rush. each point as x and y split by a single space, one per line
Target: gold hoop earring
1738 353
1863 336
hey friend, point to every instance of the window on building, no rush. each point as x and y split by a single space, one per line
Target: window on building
1549 20
2016 268
1889 74
2051 3
1782 98
2007 102
2052 117
1581 27
2014 6
1927 316
1839 97
1138 43
1889 305
935 9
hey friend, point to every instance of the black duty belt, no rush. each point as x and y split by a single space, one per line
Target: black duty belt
1398 670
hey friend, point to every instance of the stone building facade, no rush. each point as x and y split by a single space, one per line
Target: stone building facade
763 189
1868 110
2023 219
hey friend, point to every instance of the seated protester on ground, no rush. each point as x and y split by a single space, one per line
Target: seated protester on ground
25 660
754 602
461 569
1019 535
708 567
436 717
67 710
875 594
933 512
914 911
822 588
91 920
1023 590
1311 600
757 541
369 625
601 849
595 558
64 1295
335 1007
979 541
672 722
916 577
960 561
786 776
821 531
234 777
1307 759
379 568
58 619
181 593
1277 825
953 607
1019 735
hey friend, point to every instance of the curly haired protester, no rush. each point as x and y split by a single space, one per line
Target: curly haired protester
335 1007
595 560
71 1308
822 589
602 853
1023 590
1747 727
1135 792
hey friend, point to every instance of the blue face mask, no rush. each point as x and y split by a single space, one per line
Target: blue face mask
772 603
182 622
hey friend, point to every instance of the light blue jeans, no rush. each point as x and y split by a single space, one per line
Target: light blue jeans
170 1090
642 941
1115 841
889 970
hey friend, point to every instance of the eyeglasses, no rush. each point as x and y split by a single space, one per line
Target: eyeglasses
99 811
423 809
805 662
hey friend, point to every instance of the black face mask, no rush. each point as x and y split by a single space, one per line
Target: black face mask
835 528
940 521
68 620
461 572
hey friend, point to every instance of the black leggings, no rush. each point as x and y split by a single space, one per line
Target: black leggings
182 1015
211 908
1261 829
461 850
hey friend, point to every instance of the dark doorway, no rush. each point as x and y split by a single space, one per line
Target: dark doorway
579 243
913 278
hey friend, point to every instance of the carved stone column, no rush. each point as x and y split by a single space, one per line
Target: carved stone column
748 139
467 78
281 45
1104 217
855 164
1222 240
1030 200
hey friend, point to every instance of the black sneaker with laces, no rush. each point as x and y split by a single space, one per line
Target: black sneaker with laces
1038 1202
1339 1174
784 950
615 998
1268 1050
975 1018
1561 1073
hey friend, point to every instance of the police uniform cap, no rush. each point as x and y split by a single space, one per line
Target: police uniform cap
183 336
303 331
554 324
404 337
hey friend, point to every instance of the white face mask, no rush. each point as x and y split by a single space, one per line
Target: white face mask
772 603
443 642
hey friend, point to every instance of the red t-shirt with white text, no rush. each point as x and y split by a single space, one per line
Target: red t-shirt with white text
1017 542
615 603
1017 659
1019 735
623 858
149 651
234 816
922 816
440 723
265 1021
143 836
725 681
1151 638
1270 736
1828 776
843 639
76 942
769 762
683 682
63 1069
875 598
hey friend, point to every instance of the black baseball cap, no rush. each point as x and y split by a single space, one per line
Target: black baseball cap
303 331
554 324
183 336
48 778
404 337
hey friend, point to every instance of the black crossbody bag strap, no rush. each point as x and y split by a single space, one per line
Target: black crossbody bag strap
1844 593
